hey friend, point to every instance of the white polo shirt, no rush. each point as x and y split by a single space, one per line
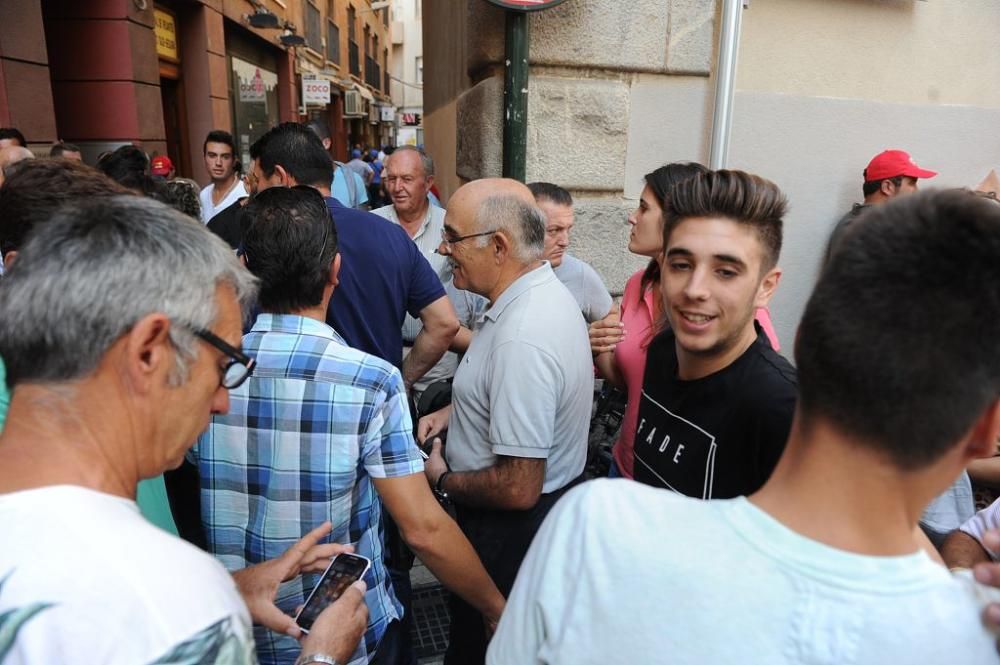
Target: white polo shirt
525 386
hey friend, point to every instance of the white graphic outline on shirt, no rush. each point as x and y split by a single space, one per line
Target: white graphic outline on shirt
709 462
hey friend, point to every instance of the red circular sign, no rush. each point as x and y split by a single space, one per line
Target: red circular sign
525 5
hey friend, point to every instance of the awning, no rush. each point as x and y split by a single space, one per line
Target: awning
365 92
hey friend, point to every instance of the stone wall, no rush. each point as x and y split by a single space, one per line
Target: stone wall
591 62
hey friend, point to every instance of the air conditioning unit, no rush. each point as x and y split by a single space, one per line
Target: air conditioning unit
353 104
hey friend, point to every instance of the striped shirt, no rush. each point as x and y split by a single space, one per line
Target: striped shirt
300 445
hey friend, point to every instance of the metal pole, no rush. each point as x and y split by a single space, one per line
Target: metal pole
725 83
515 97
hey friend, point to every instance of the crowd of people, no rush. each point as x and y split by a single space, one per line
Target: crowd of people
215 390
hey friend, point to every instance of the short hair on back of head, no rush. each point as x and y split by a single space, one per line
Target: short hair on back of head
899 345
320 129
425 160
59 147
182 194
35 191
299 151
547 191
741 197
871 186
219 136
13 133
283 243
84 278
523 223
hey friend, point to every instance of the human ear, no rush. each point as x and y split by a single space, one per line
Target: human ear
768 285
148 352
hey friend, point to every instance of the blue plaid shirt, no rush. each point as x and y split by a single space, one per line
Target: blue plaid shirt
303 438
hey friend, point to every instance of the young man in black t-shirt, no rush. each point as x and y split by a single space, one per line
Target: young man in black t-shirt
717 401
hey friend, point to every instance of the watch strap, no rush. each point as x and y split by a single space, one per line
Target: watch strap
439 485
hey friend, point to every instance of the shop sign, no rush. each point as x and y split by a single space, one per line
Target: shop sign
166 35
525 5
388 113
410 119
253 90
315 92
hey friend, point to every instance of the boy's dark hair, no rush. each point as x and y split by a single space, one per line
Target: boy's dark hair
899 346
219 136
13 133
550 192
59 147
298 150
741 197
872 186
34 192
289 242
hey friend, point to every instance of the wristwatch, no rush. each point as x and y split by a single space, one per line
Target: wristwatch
305 659
439 485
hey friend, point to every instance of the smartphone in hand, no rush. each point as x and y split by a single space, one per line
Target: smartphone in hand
343 571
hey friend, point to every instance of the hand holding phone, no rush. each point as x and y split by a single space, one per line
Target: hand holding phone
343 571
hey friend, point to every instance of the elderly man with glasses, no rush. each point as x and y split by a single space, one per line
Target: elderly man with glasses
522 395
320 432
120 326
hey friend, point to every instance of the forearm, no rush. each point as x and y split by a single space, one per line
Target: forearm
490 488
446 552
608 368
985 471
427 349
960 550
462 340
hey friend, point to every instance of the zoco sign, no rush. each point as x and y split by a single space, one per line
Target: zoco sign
525 5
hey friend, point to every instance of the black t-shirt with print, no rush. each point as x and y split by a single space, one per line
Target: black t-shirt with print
717 437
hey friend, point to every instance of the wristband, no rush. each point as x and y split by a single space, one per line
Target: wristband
306 659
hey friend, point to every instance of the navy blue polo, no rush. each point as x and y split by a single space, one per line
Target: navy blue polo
383 276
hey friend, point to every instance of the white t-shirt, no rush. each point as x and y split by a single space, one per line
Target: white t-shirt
208 211
986 519
89 580
586 286
625 573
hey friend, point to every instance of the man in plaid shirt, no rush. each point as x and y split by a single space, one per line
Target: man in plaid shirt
319 432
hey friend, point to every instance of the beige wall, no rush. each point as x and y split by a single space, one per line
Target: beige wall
902 51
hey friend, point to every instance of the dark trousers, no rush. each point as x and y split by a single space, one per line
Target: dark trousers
501 539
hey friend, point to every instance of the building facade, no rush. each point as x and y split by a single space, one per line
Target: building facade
407 63
163 74
620 88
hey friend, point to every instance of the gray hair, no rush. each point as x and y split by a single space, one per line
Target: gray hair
524 224
83 279
425 159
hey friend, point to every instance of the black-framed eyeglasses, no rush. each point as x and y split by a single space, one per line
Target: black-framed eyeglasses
449 241
240 365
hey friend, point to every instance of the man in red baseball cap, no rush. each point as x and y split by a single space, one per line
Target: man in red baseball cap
889 174
161 167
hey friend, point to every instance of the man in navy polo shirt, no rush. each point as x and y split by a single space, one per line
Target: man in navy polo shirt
383 276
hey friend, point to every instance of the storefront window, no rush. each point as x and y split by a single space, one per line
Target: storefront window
255 103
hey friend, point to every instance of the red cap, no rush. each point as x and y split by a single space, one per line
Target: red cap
161 165
894 163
